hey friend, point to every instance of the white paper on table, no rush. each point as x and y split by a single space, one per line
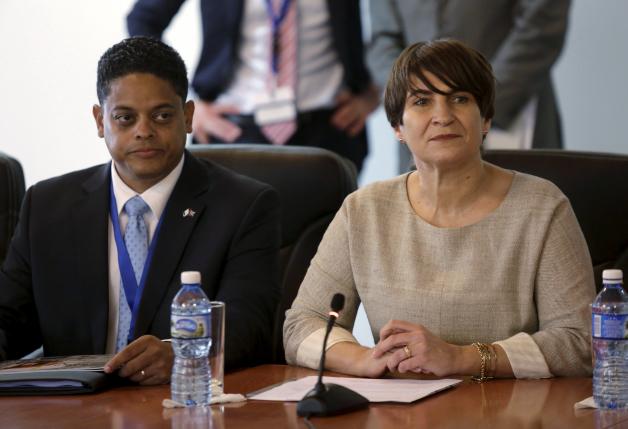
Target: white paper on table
585 403
375 390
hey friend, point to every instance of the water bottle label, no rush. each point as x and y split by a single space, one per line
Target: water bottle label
610 326
189 326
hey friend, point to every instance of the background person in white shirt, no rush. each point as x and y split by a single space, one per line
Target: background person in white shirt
333 93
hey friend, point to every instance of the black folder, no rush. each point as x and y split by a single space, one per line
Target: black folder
59 382
65 375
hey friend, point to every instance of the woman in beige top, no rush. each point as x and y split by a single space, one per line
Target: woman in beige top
463 267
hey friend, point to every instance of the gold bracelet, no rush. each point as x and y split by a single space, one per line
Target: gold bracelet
485 362
494 354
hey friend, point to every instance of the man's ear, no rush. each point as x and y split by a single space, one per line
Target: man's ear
97 111
188 111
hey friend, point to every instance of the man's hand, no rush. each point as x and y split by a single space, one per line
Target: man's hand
208 120
147 360
353 110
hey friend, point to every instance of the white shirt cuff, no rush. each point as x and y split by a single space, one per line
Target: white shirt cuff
526 359
309 351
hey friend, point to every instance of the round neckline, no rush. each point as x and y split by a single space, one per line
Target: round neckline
489 215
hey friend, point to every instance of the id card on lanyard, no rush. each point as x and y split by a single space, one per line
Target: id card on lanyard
279 105
132 289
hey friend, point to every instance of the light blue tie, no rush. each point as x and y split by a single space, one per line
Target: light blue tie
136 241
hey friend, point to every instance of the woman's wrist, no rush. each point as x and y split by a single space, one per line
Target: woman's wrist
469 361
349 358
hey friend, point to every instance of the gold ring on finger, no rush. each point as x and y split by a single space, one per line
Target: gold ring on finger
407 351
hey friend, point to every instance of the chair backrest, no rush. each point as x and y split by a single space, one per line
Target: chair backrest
312 184
11 195
597 187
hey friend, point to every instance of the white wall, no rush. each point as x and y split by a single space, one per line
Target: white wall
591 77
49 51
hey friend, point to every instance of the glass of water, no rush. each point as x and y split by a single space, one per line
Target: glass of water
217 349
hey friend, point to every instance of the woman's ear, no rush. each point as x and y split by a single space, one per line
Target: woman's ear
399 134
486 126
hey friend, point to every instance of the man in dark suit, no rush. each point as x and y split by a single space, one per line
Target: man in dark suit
63 282
333 94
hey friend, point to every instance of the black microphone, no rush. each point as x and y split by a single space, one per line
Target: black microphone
330 399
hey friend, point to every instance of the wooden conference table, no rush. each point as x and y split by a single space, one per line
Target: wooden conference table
494 404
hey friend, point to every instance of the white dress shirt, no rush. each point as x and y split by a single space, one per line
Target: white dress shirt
319 72
156 198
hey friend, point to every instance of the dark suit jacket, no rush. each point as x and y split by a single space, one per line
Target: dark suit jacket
54 281
222 20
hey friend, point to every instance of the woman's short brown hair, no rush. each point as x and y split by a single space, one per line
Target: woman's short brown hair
457 65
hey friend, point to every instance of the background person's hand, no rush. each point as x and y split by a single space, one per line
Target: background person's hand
147 360
352 110
428 353
208 120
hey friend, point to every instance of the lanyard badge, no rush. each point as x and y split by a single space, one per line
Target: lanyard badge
279 105
132 290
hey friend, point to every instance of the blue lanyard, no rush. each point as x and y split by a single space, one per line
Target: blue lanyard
132 290
276 21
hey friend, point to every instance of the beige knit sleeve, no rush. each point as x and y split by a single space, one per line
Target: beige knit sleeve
564 289
525 356
329 273
311 348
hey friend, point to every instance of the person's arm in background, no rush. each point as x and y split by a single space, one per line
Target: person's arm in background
523 62
352 110
151 18
387 39
360 97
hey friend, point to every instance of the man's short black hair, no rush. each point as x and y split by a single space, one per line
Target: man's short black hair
141 55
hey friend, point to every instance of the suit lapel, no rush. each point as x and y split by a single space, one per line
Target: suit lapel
89 219
176 229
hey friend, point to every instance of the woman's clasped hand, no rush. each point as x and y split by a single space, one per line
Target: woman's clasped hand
411 347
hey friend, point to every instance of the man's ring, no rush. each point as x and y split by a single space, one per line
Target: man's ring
143 373
408 352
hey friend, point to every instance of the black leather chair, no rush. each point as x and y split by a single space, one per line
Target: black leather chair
597 187
11 195
312 183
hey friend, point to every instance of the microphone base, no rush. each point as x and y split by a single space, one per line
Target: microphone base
334 399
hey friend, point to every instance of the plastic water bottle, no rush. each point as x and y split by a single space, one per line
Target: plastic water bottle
610 343
190 331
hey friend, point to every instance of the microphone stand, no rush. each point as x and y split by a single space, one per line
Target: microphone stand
329 399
